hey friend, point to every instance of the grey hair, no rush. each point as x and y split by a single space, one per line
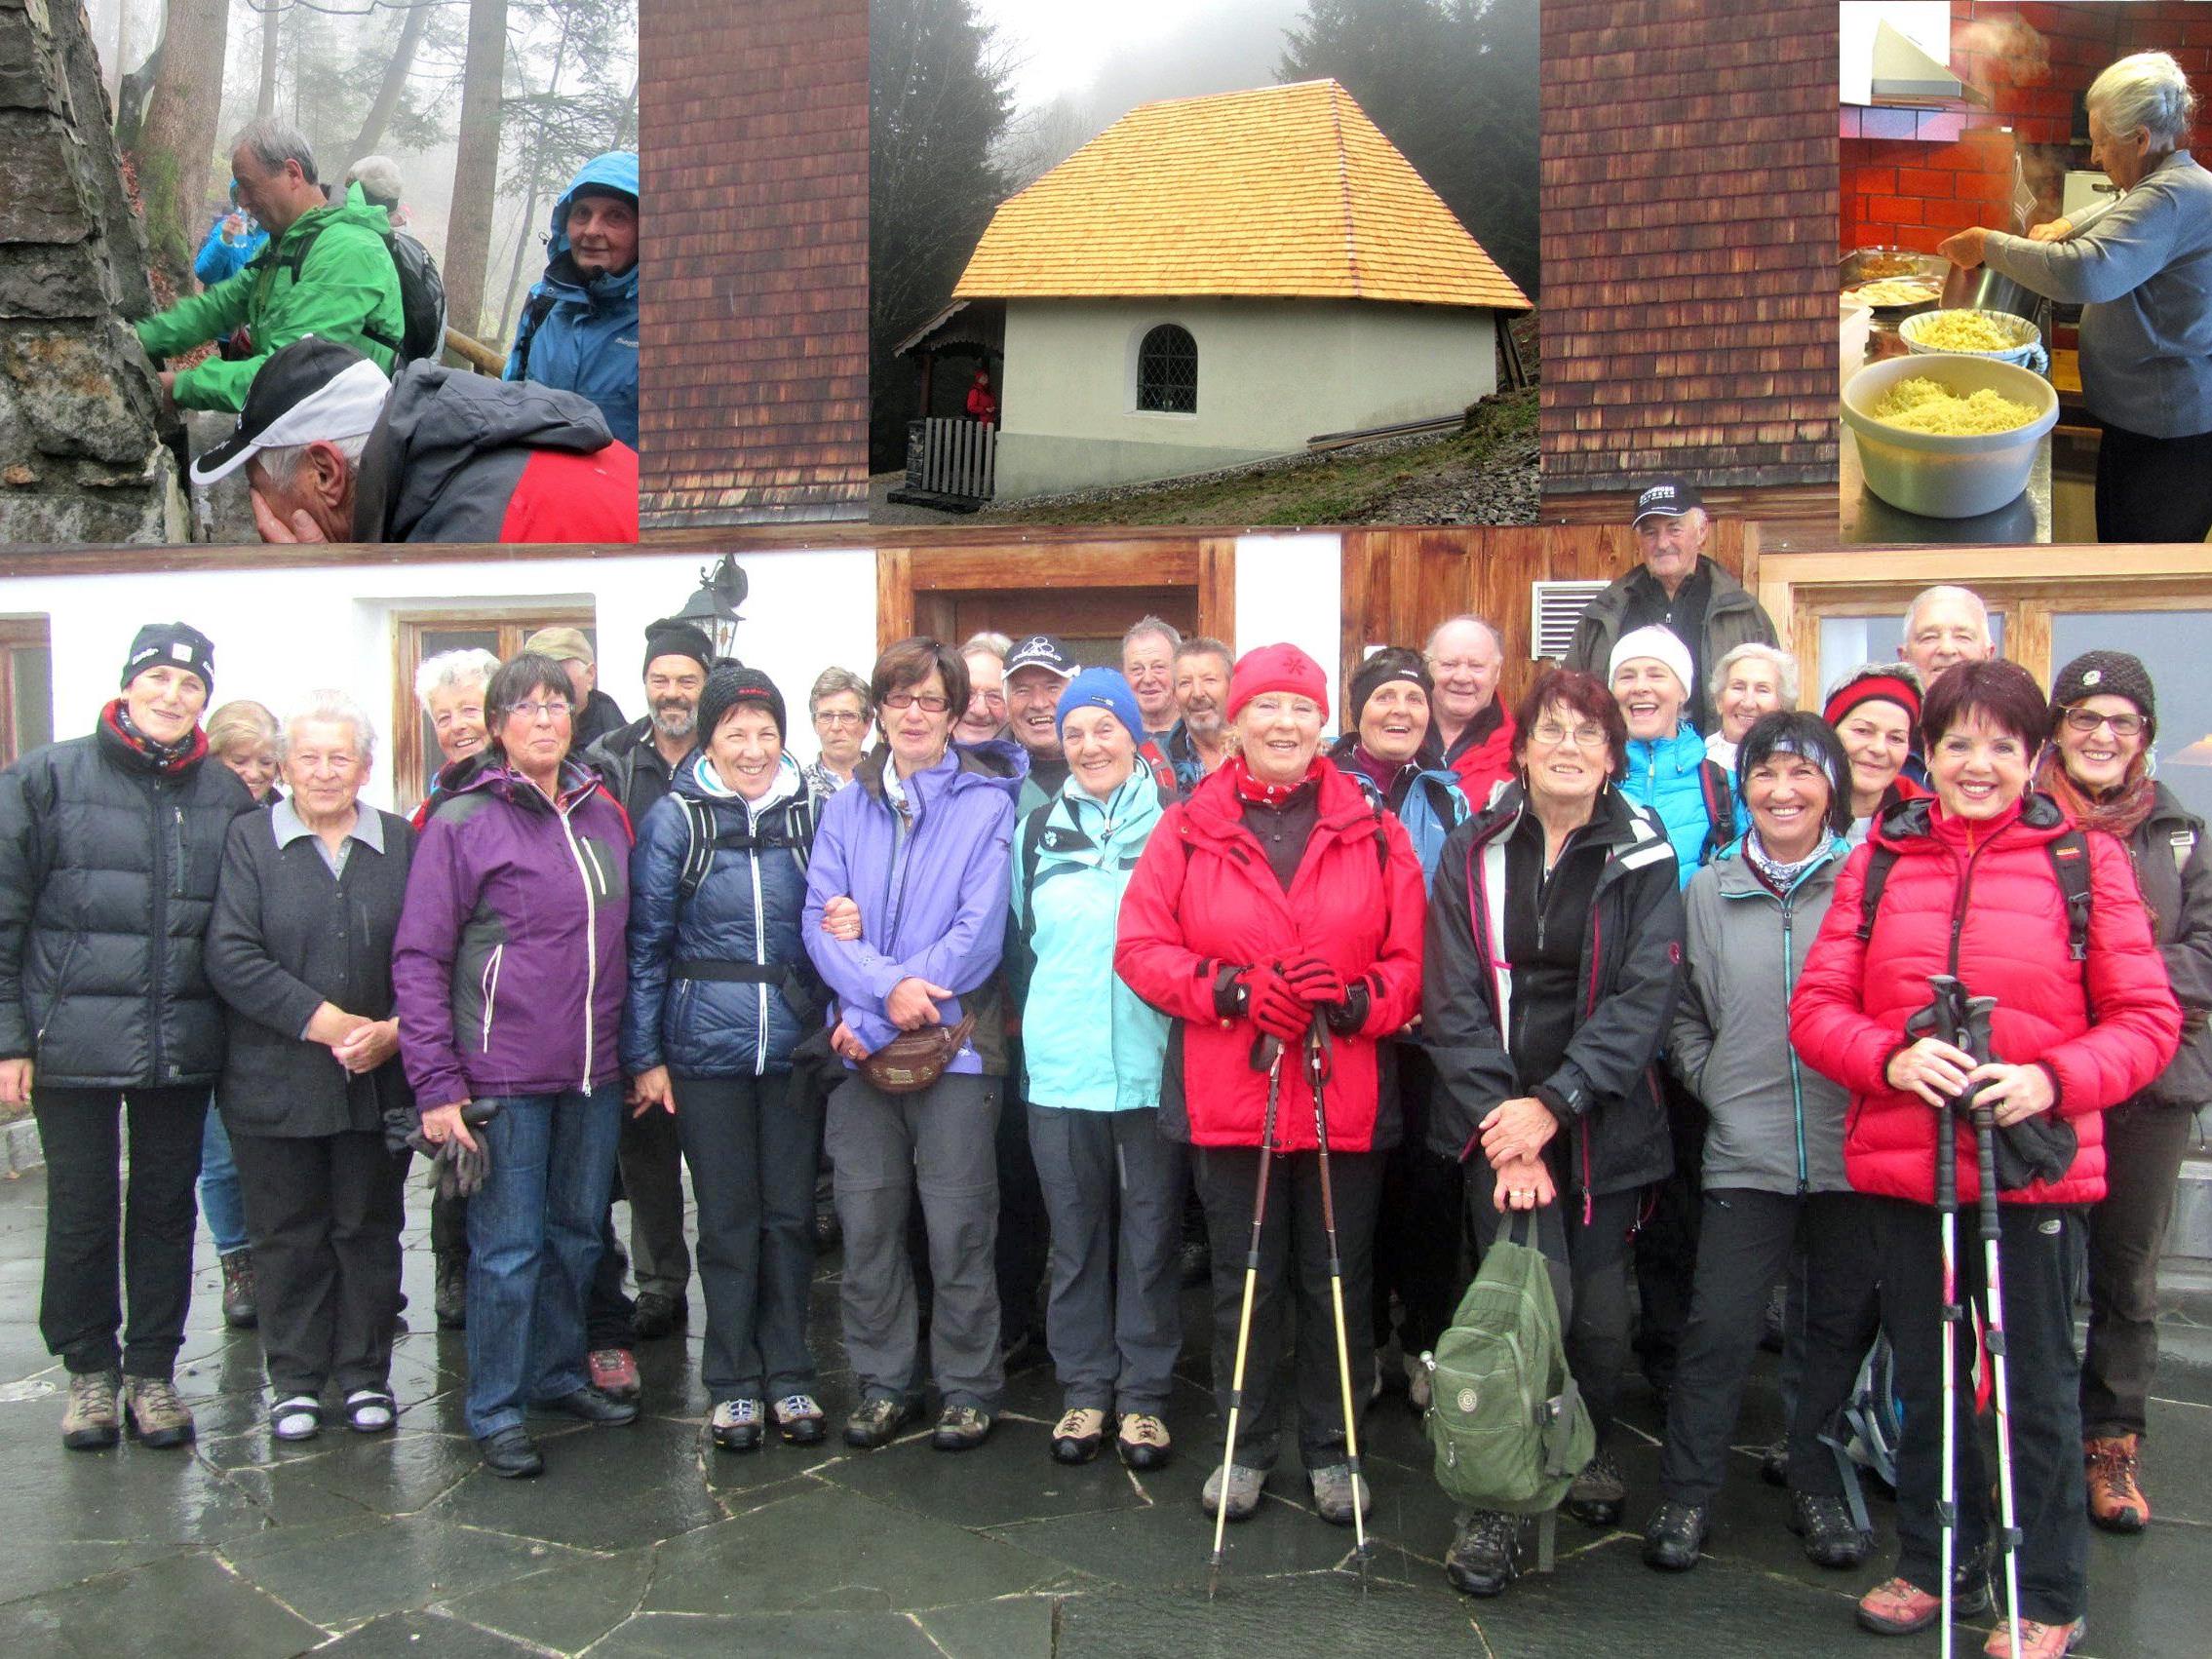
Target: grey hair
1144 624
282 461
1428 648
2147 90
1784 664
995 644
333 707
273 142
470 666
1205 645
1946 591
834 681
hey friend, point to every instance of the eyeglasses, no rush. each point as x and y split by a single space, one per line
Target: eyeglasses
2087 720
553 710
901 701
1551 734
840 718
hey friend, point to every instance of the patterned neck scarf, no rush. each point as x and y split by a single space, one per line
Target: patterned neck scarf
1772 870
1253 793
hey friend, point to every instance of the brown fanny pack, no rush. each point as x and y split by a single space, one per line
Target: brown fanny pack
912 1061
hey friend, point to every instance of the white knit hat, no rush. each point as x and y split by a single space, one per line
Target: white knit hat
1658 643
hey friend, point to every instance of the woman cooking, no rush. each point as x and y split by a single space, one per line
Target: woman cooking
2141 273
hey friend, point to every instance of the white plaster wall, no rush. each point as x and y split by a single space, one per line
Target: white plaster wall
1291 588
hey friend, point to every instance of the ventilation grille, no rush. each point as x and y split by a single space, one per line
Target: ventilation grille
1554 608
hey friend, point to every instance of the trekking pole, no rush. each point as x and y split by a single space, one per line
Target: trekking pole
1939 1017
1317 1072
1977 1044
1272 1048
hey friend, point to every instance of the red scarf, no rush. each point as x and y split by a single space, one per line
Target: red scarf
2120 813
168 759
1253 793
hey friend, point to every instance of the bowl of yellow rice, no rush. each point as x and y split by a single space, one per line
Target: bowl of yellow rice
1977 333
1948 436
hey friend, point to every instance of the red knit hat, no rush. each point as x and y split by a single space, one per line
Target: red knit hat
1276 668
1869 687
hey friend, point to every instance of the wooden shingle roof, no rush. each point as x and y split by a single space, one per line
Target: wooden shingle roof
1688 224
1282 192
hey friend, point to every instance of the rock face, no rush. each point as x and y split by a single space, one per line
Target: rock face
85 447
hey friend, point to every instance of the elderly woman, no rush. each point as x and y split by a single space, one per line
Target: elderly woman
2140 271
1650 674
109 846
2097 767
1750 680
1774 1153
300 951
1875 709
1277 901
1559 902
719 993
2071 1035
242 735
920 845
839 708
508 962
1113 1184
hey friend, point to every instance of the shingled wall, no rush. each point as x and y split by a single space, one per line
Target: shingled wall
1689 212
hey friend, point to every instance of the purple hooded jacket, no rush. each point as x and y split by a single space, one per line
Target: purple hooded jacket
507 966
933 898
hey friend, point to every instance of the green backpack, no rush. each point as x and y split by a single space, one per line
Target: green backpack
1511 1430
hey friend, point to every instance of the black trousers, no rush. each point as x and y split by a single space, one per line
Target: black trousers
2127 1233
1025 1229
2040 1247
1420 1230
2153 489
324 1212
1588 1248
1293 1281
1744 1245
1666 1244
80 1303
450 1227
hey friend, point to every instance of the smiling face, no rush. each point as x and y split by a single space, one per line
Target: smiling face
841 723
917 723
1201 692
1279 733
1669 546
1877 737
456 717
165 701
673 684
1101 751
324 768
1754 687
1943 632
255 762
1978 768
2098 759
1393 722
1147 662
602 234
985 714
1651 698
1033 703
746 750
1464 661
1788 796
1566 758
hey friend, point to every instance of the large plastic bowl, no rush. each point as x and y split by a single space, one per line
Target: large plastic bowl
1940 476
2027 349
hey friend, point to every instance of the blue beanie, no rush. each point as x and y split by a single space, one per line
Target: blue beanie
1101 688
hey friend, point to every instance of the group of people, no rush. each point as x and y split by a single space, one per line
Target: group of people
331 324
1074 954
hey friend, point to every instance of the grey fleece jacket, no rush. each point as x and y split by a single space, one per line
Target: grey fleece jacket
1777 1125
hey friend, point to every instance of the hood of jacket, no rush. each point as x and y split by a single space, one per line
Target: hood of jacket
997 764
355 210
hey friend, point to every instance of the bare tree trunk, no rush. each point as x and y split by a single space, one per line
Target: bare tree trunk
476 166
265 105
179 136
387 102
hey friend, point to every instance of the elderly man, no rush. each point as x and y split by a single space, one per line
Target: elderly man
1147 662
596 713
325 271
1037 672
1676 587
1944 627
335 452
1469 726
984 717
1200 739
579 329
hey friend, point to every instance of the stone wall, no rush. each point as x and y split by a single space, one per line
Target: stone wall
86 439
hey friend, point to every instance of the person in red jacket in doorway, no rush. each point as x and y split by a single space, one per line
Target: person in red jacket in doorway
1972 889
1469 728
1274 897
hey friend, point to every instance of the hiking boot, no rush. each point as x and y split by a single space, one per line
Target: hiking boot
736 1425
798 1419
1484 1556
963 1428
1078 1435
1897 1606
152 1414
593 1405
1775 1464
1674 1537
1831 1537
90 1422
877 1421
658 1316
1244 1491
450 1299
1596 1496
511 1454
238 1309
2038 1640
1142 1441
1333 1486
1419 1389
2115 1493
614 1372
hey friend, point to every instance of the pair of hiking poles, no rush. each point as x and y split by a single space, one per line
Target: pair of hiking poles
1963 1021
1317 1071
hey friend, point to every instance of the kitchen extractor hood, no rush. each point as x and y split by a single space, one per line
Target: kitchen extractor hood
1907 76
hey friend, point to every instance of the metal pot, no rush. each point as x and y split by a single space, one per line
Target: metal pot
1985 289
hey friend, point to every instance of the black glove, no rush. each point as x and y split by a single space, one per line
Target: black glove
459 1172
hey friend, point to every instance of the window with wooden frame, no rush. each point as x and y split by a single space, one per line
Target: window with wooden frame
1167 372
27 687
423 634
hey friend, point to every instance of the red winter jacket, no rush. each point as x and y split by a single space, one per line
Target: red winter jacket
1203 895
1483 766
1988 909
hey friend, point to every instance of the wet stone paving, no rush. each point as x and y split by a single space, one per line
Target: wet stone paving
646 1541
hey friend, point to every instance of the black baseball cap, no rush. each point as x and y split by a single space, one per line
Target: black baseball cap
311 391
1668 497
1040 651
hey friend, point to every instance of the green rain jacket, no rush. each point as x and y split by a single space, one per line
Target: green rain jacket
331 274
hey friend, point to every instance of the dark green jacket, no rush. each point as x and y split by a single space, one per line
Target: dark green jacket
331 274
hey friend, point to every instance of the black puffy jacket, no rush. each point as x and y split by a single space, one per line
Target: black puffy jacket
107 877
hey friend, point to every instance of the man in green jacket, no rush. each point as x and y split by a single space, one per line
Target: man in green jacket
326 270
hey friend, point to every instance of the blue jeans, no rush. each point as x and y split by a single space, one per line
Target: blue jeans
534 1231
219 1198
